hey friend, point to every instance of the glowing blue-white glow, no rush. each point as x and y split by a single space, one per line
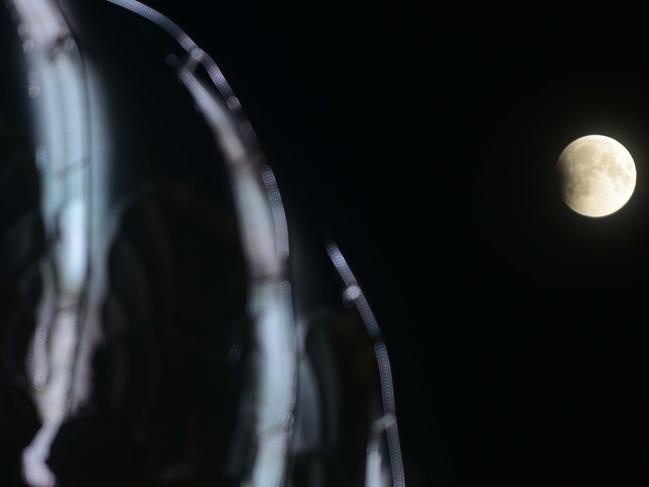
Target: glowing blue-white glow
66 105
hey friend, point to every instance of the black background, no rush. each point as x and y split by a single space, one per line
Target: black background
426 144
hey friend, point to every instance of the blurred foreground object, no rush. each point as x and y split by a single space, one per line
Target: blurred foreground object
164 335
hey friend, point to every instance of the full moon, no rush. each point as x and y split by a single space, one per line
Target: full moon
597 175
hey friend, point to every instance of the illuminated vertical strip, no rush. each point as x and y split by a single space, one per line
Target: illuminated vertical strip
67 317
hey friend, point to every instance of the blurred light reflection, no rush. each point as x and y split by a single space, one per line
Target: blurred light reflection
305 416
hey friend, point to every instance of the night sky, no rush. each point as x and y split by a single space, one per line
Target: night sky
516 327
426 145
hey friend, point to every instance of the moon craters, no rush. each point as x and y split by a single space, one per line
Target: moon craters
597 175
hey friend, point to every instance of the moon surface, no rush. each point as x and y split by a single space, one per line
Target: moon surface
597 175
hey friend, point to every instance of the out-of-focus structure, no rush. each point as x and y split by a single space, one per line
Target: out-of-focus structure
72 167
313 401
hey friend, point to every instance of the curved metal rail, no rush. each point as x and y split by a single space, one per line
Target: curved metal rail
264 237
387 423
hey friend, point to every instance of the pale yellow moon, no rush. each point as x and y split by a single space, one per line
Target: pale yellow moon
597 175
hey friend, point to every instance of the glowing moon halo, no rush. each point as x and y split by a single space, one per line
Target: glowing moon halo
597 175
